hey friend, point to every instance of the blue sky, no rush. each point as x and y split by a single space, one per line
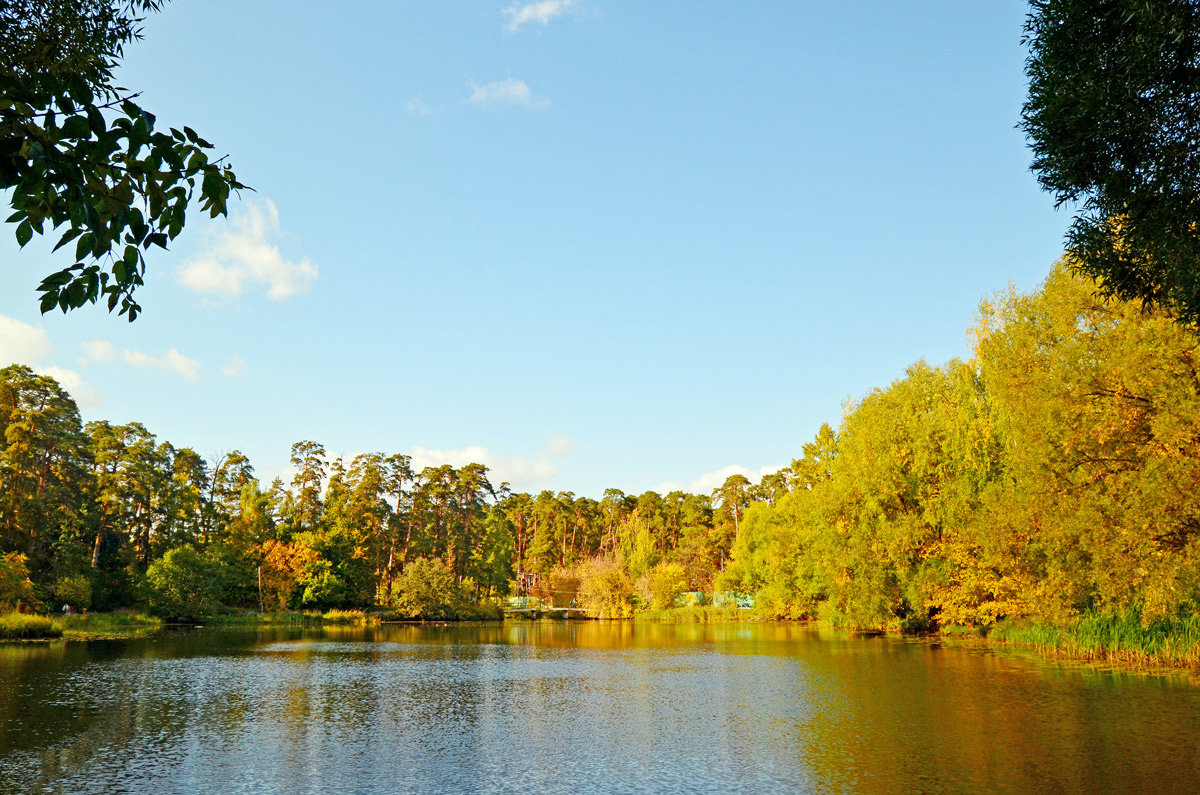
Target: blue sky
592 244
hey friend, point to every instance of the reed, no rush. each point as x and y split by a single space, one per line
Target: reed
21 626
348 617
1115 637
696 614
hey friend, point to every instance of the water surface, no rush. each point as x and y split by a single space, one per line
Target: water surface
579 707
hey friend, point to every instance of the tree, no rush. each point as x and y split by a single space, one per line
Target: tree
183 584
78 152
733 496
427 588
1113 119
43 467
309 460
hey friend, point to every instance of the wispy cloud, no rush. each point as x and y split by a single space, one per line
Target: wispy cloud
539 13
711 480
84 395
561 445
243 254
234 367
506 92
22 343
418 107
522 473
103 352
98 351
172 361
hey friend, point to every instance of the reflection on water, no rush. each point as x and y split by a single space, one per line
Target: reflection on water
583 706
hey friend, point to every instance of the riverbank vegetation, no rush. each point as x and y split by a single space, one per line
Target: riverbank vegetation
1052 477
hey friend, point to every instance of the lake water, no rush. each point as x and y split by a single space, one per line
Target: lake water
579 707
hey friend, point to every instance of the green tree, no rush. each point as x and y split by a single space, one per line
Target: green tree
1113 119
309 460
183 584
43 470
77 153
427 589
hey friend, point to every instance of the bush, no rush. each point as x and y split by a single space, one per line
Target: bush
15 586
183 584
427 589
75 590
661 585
605 588
322 585
346 617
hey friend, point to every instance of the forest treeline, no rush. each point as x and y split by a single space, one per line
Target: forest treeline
1056 472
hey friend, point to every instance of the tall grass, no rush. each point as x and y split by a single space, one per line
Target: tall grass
120 623
21 626
1124 638
348 617
696 614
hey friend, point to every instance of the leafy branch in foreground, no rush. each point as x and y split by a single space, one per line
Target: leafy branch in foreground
1113 119
81 156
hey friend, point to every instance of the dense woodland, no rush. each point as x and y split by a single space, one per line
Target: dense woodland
1056 472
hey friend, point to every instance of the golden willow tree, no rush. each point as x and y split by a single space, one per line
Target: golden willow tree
1055 473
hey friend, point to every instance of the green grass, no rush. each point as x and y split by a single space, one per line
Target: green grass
696 614
348 617
21 626
1111 637
287 618
121 623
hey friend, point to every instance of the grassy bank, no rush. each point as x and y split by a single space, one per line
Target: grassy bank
696 614
19 626
121 624
293 618
1170 642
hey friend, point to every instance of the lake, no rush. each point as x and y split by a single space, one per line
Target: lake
555 706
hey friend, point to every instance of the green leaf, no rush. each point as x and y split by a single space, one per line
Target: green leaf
24 233
67 237
84 247
77 127
49 301
96 121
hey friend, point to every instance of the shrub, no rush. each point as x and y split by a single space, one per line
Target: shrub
183 584
661 585
15 586
345 617
427 589
605 588
75 590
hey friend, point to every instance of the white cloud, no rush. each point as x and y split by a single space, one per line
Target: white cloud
103 351
234 367
520 472
84 395
97 351
172 361
712 480
417 107
561 445
539 13
21 343
243 254
506 92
